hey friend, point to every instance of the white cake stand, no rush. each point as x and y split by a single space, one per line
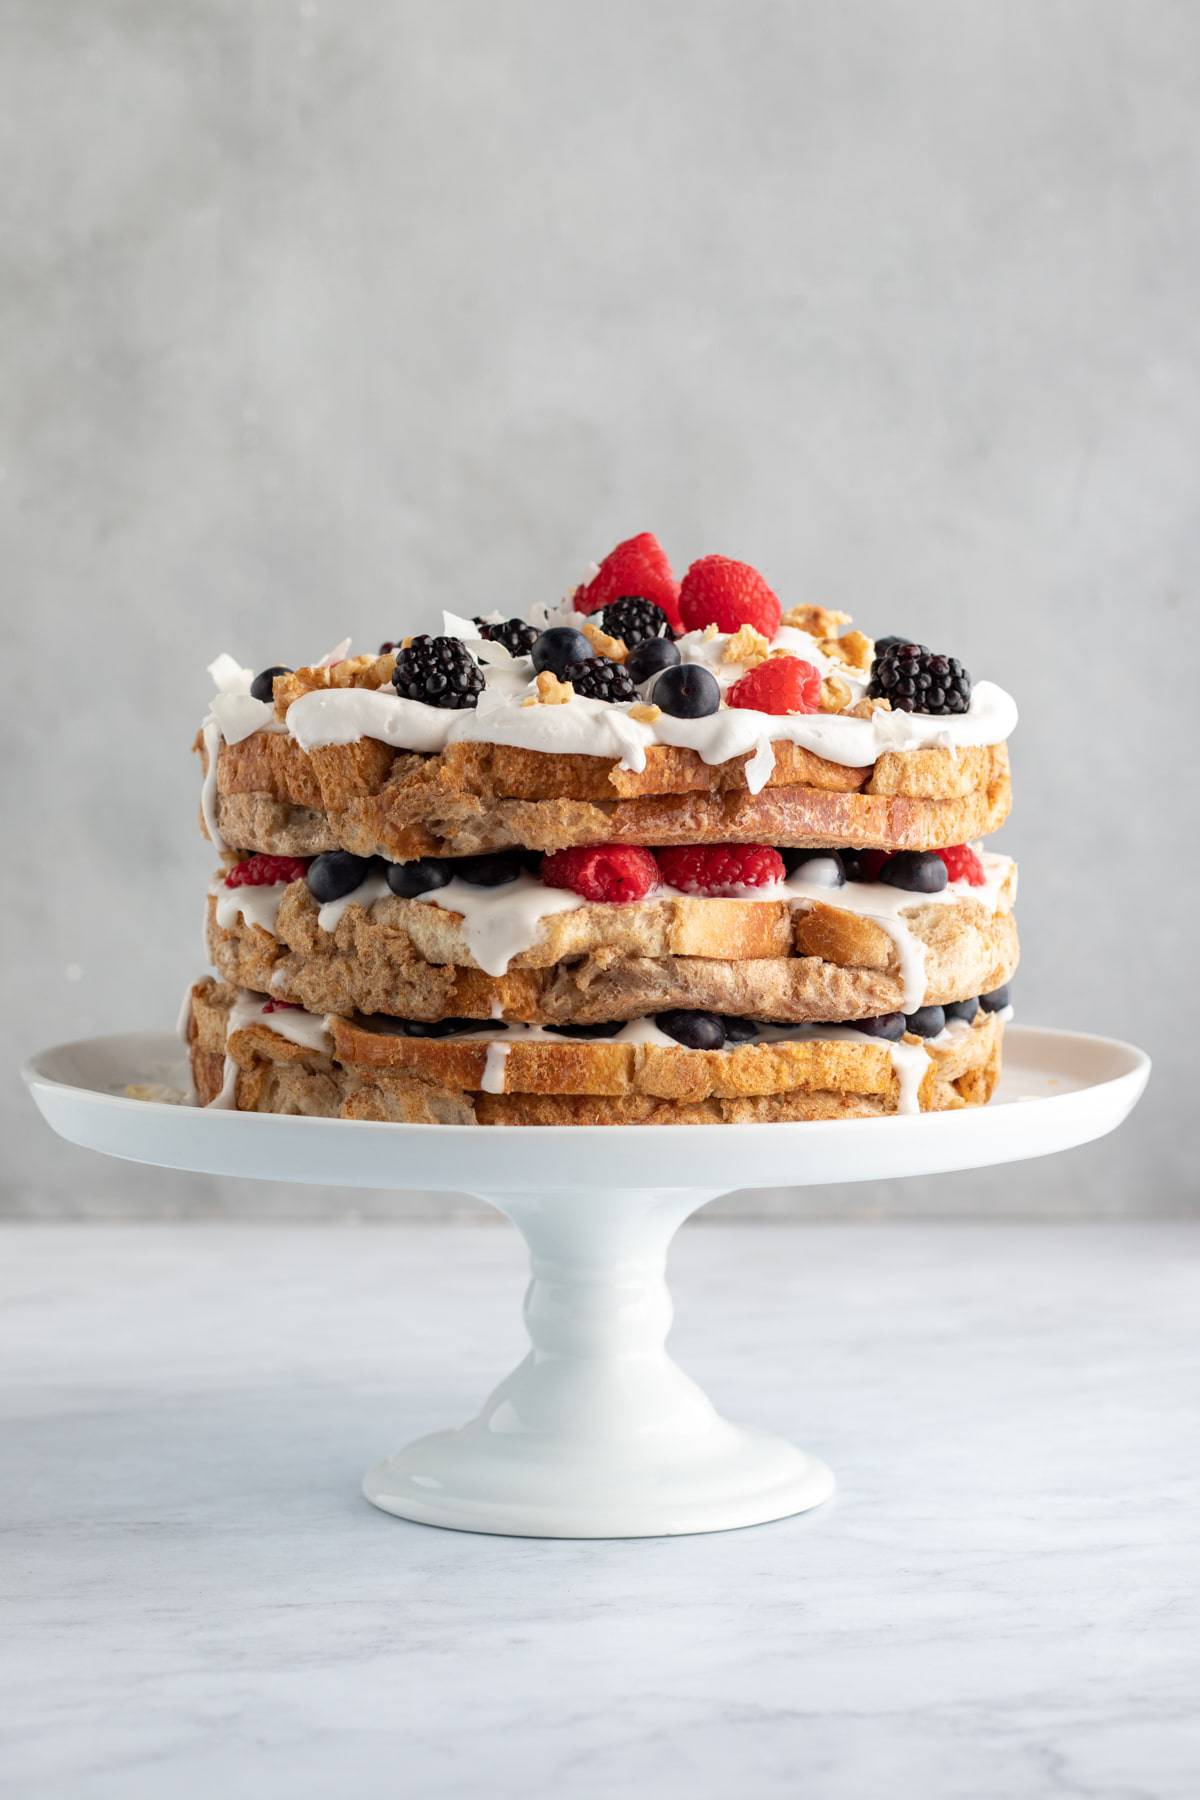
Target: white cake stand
597 1433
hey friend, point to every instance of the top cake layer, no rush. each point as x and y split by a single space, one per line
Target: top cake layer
781 728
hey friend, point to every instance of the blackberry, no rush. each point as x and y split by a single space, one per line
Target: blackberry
635 621
439 671
916 679
517 637
599 679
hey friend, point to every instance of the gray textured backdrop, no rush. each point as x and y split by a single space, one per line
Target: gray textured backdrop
318 317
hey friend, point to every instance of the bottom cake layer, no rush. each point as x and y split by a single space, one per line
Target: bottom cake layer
250 1053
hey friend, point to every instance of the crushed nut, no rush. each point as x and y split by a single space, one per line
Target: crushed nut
602 644
854 648
746 646
835 694
866 707
708 634
350 672
551 691
644 713
817 621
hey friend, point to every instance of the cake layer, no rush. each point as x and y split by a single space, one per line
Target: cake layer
813 953
270 795
269 1061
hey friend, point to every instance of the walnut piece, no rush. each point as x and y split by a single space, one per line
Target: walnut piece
855 649
602 644
817 621
866 707
747 646
835 694
644 713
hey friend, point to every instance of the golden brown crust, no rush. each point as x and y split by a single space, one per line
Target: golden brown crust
411 959
372 1074
471 798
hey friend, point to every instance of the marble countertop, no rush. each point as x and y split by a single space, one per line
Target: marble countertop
1001 1603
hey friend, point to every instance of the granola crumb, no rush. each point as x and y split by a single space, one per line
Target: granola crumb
644 713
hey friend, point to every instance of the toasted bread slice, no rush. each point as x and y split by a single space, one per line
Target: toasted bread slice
361 1072
365 797
757 958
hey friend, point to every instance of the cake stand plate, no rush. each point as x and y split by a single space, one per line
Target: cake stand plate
597 1433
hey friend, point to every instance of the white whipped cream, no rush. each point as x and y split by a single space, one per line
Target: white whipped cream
296 1026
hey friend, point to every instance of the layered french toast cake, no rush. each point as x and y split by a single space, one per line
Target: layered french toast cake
662 852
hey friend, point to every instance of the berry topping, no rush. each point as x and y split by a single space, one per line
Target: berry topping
996 1001
439 1028
918 871
281 1006
915 679
496 869
823 868
961 1009
517 637
718 591
408 879
649 659
263 685
440 671
616 872
635 621
694 1030
336 874
608 1029
889 643
782 684
561 645
962 864
927 1021
636 568
687 691
863 865
888 1025
266 871
720 869
597 678
739 1031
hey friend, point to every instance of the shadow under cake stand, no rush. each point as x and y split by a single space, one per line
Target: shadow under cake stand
597 1433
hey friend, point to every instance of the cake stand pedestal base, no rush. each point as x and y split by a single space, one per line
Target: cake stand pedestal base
598 1433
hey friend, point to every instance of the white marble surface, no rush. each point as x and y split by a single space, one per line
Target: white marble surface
1000 1605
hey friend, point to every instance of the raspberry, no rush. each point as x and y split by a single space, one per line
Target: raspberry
718 591
782 684
962 864
619 872
282 1006
722 869
636 569
266 871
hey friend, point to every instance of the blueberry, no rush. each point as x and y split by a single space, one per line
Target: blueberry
561 645
961 1009
438 1028
651 658
262 687
408 879
830 873
927 1021
495 870
918 871
887 1025
739 1031
996 1001
687 691
337 873
694 1030
609 1029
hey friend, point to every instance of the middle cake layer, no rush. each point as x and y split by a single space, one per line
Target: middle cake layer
538 955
